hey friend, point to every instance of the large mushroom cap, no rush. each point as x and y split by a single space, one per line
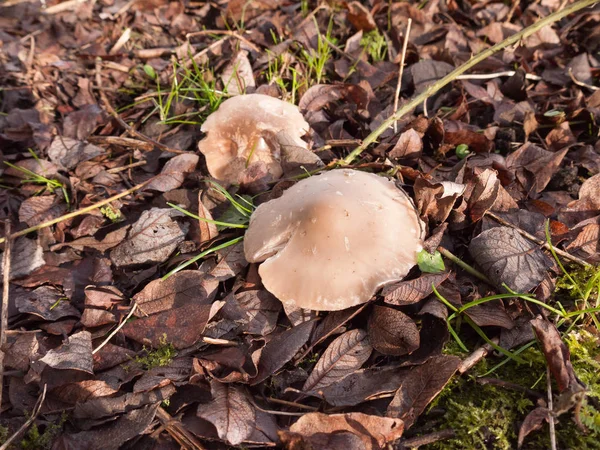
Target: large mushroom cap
330 241
250 130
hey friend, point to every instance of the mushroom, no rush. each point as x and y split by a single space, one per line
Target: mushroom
247 135
332 240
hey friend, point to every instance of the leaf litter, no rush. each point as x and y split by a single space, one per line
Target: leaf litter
102 315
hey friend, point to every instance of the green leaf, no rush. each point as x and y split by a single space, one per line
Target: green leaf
233 215
150 71
429 263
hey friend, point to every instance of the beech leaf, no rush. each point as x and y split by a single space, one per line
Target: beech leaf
344 355
507 257
229 411
392 332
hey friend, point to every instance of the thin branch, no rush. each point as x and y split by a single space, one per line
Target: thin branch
538 241
490 76
550 415
401 71
79 212
581 83
116 330
176 429
435 87
463 265
5 292
427 439
34 414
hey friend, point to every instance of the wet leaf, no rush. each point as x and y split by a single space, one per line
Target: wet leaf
230 412
151 239
507 257
392 332
345 354
420 386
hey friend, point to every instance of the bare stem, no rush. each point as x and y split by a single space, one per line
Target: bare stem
435 87
5 293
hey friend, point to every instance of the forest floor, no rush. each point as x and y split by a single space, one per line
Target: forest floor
131 323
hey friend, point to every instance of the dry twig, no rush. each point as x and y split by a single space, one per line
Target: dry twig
176 429
4 319
401 71
116 330
34 414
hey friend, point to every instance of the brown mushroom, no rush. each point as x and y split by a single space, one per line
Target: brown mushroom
332 240
247 135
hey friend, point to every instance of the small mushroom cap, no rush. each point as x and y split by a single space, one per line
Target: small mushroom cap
247 130
331 240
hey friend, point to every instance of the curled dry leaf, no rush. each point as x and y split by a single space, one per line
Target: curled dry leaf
534 421
374 431
230 412
345 354
409 146
557 355
507 257
392 332
109 241
420 386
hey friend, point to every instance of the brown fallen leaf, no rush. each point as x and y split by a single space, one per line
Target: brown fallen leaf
230 412
392 332
75 354
345 354
173 173
507 257
534 421
151 239
412 291
420 386
375 432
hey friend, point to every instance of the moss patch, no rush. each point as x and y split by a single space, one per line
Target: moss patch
489 417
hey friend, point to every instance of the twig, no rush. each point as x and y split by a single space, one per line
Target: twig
476 356
435 87
34 414
538 241
5 292
79 212
401 72
222 342
291 404
225 33
489 76
550 415
124 124
116 330
581 83
69 5
176 429
427 439
143 162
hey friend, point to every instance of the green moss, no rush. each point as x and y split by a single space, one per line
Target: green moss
488 417
160 357
35 440
3 434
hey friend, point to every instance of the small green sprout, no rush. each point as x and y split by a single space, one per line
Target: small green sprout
430 263
375 45
112 214
462 151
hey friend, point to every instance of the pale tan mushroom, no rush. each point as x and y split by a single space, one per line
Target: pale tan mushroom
332 240
248 134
